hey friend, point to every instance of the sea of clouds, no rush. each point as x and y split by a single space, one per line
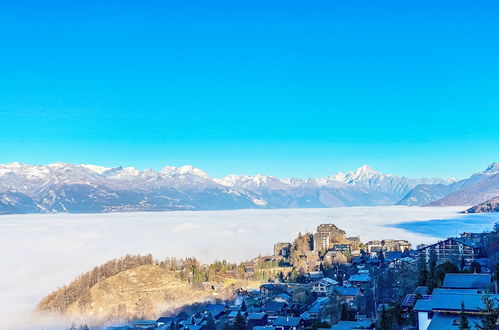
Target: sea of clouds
39 253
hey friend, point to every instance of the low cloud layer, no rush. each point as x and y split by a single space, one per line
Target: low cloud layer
42 252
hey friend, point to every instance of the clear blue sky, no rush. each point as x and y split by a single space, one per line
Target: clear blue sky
286 88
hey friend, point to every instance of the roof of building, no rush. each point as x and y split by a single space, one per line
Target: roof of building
348 325
327 281
284 296
467 281
256 316
272 286
359 278
422 305
347 291
274 306
468 242
421 290
394 255
465 241
451 322
165 319
316 275
287 321
447 301
232 314
144 322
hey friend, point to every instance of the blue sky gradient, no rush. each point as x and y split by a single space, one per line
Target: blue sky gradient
286 88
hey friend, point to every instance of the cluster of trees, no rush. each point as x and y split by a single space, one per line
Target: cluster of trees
190 269
299 248
60 299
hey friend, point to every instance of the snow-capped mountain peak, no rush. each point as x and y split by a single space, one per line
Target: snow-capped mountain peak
184 170
363 173
62 187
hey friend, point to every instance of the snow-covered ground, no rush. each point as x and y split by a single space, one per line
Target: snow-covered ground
38 253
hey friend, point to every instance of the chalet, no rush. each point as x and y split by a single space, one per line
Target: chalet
454 249
324 286
444 307
283 297
282 250
359 280
273 308
347 294
313 313
288 323
256 319
349 325
216 310
271 289
314 276
388 245
343 248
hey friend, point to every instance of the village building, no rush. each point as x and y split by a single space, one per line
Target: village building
347 294
287 323
388 245
359 280
326 236
282 250
256 319
354 242
454 249
442 309
324 285
343 248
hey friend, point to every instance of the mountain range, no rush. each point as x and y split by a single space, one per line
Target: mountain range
61 187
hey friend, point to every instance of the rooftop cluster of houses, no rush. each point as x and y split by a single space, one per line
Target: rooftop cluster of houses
288 305
442 309
332 246
275 306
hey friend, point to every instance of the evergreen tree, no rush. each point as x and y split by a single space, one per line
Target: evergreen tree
432 265
490 312
496 276
385 321
339 278
476 267
381 258
239 322
210 323
462 263
422 269
463 320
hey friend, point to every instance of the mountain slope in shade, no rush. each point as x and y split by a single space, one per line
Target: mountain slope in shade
429 194
492 205
473 194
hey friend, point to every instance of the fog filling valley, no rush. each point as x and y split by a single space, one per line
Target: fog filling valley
42 252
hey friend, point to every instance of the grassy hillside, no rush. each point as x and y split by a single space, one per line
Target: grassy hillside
138 287
141 292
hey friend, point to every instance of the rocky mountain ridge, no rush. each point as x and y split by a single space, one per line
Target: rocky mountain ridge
61 187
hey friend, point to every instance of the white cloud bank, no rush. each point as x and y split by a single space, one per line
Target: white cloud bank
39 253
